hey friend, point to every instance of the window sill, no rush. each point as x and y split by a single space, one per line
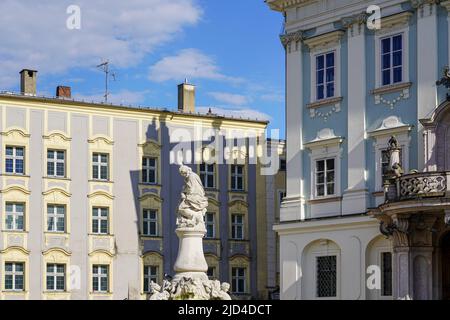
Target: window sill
324 102
15 292
55 292
100 181
57 233
57 178
146 237
391 88
101 235
8 174
149 184
325 199
15 231
237 191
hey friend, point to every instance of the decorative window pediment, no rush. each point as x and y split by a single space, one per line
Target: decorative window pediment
325 41
324 138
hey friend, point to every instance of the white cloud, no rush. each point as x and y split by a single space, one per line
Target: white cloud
273 97
188 63
34 35
244 113
125 97
229 98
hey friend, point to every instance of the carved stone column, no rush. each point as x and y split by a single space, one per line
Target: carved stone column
402 288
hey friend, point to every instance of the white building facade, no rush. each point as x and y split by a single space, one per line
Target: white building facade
349 89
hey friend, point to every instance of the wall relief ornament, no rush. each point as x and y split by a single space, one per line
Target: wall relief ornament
287 38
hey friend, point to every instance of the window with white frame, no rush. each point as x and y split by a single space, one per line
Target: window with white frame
386 274
56 218
391 59
237 226
238 280
237 177
100 166
326 279
14 217
149 170
325 177
56 166
14 160
207 173
56 277
385 160
325 75
150 274
150 222
210 225
100 220
14 276
100 278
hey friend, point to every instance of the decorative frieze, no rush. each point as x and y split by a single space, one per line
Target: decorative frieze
425 8
403 95
334 103
355 24
287 38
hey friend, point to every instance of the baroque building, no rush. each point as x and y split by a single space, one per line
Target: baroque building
348 228
89 195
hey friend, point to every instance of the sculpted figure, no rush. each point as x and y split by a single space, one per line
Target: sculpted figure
193 200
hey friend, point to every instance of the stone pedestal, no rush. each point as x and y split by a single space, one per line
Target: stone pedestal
190 257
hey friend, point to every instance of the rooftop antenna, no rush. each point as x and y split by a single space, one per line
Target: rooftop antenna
104 66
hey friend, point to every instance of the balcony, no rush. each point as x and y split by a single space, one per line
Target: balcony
417 186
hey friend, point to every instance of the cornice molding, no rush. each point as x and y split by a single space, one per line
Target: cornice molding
287 38
326 40
416 4
282 5
446 5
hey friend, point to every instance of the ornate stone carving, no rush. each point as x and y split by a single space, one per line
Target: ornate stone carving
287 38
424 184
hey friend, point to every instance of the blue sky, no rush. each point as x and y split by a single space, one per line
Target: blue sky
229 49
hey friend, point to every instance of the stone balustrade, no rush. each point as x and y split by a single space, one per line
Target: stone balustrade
419 185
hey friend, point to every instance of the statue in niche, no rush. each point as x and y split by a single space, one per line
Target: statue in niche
193 203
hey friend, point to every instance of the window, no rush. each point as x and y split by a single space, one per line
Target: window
100 220
100 275
100 166
238 280
150 222
14 276
56 218
150 274
15 216
325 178
237 226
15 160
56 277
385 159
56 163
207 175
210 225
237 177
282 164
211 273
325 70
326 276
391 60
386 274
149 170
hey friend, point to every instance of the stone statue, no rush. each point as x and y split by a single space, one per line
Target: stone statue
190 281
193 203
394 157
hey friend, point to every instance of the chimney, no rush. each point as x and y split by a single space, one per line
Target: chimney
63 92
186 97
28 82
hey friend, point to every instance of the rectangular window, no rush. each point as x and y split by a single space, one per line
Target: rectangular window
56 166
15 157
385 159
326 276
14 216
56 277
149 170
325 71
100 166
237 226
282 164
211 273
150 274
14 276
325 178
56 218
238 280
386 274
237 177
100 275
391 60
150 222
207 175
100 220
210 225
